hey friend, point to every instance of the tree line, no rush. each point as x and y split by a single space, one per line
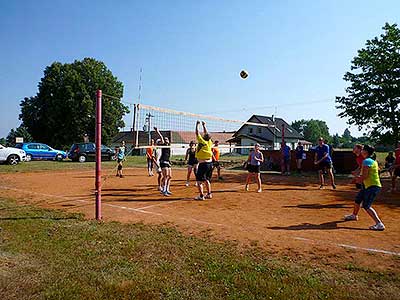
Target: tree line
64 107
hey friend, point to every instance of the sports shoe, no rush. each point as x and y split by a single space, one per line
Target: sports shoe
259 190
321 187
350 217
208 196
378 227
201 197
121 176
168 192
195 183
334 186
246 188
187 183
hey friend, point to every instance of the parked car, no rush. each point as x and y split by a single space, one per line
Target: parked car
38 151
11 155
87 151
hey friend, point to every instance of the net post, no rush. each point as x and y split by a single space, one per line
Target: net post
137 126
98 155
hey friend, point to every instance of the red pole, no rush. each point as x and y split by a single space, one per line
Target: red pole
98 155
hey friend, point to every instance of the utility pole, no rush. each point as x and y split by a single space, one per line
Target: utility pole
148 125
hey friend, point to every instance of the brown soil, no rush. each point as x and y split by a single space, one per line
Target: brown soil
290 218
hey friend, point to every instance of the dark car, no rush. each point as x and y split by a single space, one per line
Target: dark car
87 151
39 151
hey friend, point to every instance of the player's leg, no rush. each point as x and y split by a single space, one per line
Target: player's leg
189 172
331 176
369 198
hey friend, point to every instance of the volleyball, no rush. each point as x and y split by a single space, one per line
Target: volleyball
244 74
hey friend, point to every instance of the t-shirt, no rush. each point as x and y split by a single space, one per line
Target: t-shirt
215 151
299 152
253 155
203 150
165 154
149 152
373 174
121 152
397 155
286 151
360 160
321 151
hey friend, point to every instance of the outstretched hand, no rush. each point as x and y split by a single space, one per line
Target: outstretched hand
203 123
155 129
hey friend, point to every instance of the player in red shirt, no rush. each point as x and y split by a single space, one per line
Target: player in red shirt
359 159
396 168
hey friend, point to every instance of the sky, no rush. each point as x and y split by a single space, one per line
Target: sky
191 52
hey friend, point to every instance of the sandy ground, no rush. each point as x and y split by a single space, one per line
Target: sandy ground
291 217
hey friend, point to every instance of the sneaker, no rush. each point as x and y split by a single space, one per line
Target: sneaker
351 217
208 196
121 176
195 184
168 192
246 188
187 183
259 190
378 227
321 187
201 198
334 186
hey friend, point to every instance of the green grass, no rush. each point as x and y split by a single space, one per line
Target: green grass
48 254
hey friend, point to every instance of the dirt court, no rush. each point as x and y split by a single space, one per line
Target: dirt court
291 217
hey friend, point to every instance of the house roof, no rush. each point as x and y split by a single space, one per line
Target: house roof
275 126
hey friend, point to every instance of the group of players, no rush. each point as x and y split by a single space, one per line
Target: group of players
203 158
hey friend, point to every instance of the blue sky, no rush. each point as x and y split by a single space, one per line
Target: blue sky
191 52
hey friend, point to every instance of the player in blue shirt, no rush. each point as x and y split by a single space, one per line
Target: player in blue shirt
324 162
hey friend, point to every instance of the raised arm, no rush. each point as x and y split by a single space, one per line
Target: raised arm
159 134
197 128
204 127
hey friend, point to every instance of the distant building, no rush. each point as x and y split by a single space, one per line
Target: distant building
179 139
268 134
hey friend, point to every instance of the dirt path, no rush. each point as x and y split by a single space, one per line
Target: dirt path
291 217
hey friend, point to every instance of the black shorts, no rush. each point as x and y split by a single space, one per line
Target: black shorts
192 162
204 171
253 168
324 165
396 172
119 160
165 164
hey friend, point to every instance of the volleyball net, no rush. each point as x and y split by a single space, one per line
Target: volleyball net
179 127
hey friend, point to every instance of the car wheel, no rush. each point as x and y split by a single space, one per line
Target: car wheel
28 157
82 158
13 159
59 157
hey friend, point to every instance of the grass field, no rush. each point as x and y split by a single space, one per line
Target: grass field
48 254
55 254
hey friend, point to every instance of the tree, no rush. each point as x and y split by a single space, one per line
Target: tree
312 129
2 141
373 97
64 108
19 132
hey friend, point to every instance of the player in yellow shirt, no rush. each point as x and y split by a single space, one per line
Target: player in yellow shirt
371 186
204 156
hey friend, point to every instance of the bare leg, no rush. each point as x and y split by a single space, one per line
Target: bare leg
321 177
200 187
331 176
373 215
258 175
208 186
356 209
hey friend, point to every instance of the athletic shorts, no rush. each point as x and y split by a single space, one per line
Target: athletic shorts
119 160
396 172
253 168
165 164
192 162
204 171
324 165
367 196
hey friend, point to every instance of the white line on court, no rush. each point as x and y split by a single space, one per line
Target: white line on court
349 246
